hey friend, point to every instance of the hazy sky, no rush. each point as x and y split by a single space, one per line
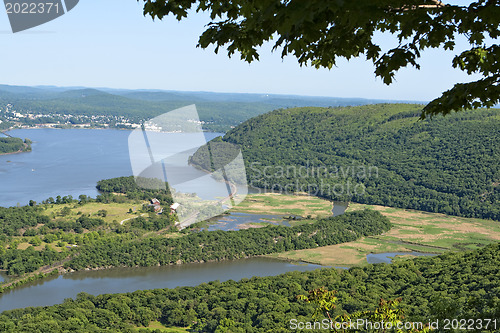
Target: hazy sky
109 43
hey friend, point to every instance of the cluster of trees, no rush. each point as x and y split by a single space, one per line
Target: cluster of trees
4 124
78 226
18 262
31 221
13 145
153 222
150 188
32 224
220 245
125 245
454 285
12 219
448 164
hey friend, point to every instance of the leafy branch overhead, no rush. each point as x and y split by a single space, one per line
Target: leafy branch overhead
318 32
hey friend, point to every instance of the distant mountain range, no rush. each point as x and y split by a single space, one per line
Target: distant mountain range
220 111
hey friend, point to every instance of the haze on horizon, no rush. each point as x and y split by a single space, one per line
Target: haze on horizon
96 45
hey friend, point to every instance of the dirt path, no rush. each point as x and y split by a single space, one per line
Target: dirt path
131 218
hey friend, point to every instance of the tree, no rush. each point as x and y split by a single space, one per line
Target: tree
323 300
83 199
317 32
65 211
387 312
102 212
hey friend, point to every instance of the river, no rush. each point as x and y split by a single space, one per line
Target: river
386 258
120 280
71 162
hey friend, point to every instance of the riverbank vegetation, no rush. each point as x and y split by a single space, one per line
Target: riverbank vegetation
460 285
378 154
41 234
119 228
411 231
9 145
223 245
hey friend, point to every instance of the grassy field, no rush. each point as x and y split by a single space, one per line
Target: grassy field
412 231
115 212
53 245
278 204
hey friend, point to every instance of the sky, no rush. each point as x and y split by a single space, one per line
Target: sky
111 44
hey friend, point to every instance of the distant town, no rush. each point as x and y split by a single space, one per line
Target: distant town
11 118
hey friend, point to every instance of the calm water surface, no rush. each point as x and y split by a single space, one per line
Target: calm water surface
71 162
55 290
377 258
237 221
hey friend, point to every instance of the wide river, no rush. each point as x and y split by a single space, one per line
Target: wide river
70 162
120 280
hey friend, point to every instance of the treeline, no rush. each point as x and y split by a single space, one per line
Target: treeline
463 286
12 219
378 154
78 226
221 245
33 225
18 262
13 145
139 188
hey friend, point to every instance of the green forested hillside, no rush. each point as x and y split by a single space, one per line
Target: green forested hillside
13 145
218 116
219 111
447 164
462 286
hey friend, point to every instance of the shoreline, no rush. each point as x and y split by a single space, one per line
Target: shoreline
26 150
59 270
15 152
357 251
94 128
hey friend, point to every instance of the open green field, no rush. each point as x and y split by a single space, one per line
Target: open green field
53 245
115 212
279 204
412 231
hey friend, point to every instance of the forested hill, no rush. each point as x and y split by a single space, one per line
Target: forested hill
77 105
447 164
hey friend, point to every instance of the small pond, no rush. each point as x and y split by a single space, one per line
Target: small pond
377 258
